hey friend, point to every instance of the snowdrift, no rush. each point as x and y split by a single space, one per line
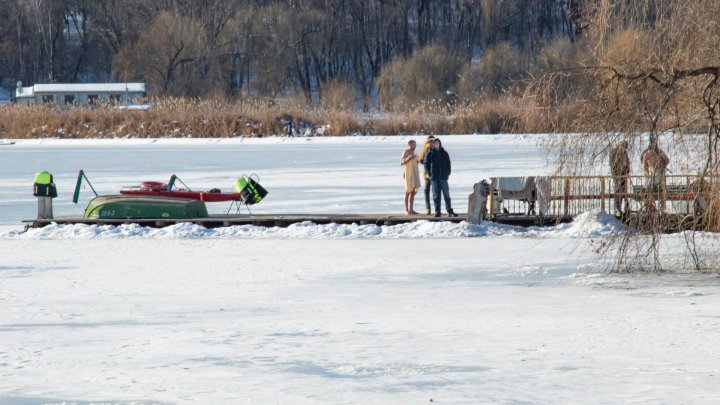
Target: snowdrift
588 225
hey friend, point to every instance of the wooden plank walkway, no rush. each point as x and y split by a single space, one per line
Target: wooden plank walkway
284 220
268 220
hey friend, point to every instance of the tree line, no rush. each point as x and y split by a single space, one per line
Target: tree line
270 48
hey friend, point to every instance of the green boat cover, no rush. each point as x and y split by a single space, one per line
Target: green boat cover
144 207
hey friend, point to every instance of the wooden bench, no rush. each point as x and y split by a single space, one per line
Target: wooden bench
667 192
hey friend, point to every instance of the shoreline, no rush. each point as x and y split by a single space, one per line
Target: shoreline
270 139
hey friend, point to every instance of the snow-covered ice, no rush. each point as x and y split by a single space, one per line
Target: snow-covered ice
453 313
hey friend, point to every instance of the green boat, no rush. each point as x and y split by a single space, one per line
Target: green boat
144 207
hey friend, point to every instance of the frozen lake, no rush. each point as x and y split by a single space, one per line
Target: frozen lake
448 313
303 175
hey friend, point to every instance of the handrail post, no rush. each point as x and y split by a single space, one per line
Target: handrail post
689 191
566 201
602 193
491 200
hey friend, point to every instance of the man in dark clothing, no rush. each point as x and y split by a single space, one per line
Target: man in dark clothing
620 169
421 158
437 164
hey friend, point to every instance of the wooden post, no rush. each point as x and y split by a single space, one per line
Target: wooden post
602 193
491 199
566 200
45 208
475 205
689 191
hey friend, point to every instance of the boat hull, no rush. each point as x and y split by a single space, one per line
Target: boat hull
142 206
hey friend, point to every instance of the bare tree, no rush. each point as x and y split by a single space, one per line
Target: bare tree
165 53
48 17
651 70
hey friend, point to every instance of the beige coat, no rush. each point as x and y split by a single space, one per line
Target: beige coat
655 162
412 174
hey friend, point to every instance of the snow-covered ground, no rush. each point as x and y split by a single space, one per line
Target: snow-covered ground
448 313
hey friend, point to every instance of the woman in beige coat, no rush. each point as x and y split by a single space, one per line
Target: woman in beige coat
655 163
412 176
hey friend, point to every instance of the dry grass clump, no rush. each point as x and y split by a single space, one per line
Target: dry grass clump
179 117
492 116
168 118
337 95
495 73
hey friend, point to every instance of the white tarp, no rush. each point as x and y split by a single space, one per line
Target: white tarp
529 188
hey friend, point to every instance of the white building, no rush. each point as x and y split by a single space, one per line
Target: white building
86 94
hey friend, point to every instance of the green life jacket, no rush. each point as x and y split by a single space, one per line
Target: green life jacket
250 191
44 185
43 178
246 189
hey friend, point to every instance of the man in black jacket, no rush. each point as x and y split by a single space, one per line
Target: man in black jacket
437 164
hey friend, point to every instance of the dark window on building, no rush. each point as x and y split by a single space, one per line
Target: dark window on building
69 99
92 99
48 98
114 99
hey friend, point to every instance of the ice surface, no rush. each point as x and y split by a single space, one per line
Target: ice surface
453 313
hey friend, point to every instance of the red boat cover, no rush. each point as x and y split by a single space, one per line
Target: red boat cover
192 195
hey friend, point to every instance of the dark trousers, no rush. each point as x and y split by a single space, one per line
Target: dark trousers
441 186
620 188
427 194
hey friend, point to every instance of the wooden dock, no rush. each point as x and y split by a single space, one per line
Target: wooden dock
285 220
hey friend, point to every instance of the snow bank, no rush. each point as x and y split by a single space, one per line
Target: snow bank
588 225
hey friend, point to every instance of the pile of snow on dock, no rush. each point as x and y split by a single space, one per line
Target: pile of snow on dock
587 225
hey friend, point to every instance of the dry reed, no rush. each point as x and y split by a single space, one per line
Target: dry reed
174 117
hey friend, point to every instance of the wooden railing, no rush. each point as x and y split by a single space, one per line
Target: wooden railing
572 195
